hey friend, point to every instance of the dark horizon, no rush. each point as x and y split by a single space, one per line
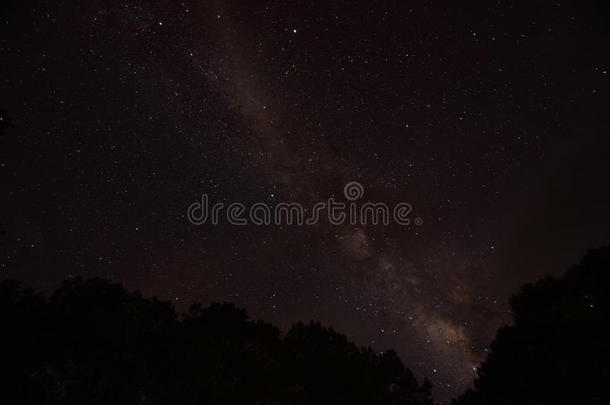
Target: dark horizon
489 120
93 341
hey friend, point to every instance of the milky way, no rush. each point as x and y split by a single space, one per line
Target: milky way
489 118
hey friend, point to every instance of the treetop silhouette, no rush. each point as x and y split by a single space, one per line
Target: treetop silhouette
558 350
94 342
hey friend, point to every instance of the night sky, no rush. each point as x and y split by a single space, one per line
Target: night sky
490 118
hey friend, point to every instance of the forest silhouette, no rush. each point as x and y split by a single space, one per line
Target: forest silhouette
93 342
558 349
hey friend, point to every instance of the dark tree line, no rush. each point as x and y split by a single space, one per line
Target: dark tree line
558 349
92 342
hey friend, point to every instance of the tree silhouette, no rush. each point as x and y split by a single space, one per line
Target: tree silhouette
93 342
558 350
325 367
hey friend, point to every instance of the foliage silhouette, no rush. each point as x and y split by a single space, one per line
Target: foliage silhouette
558 350
93 342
